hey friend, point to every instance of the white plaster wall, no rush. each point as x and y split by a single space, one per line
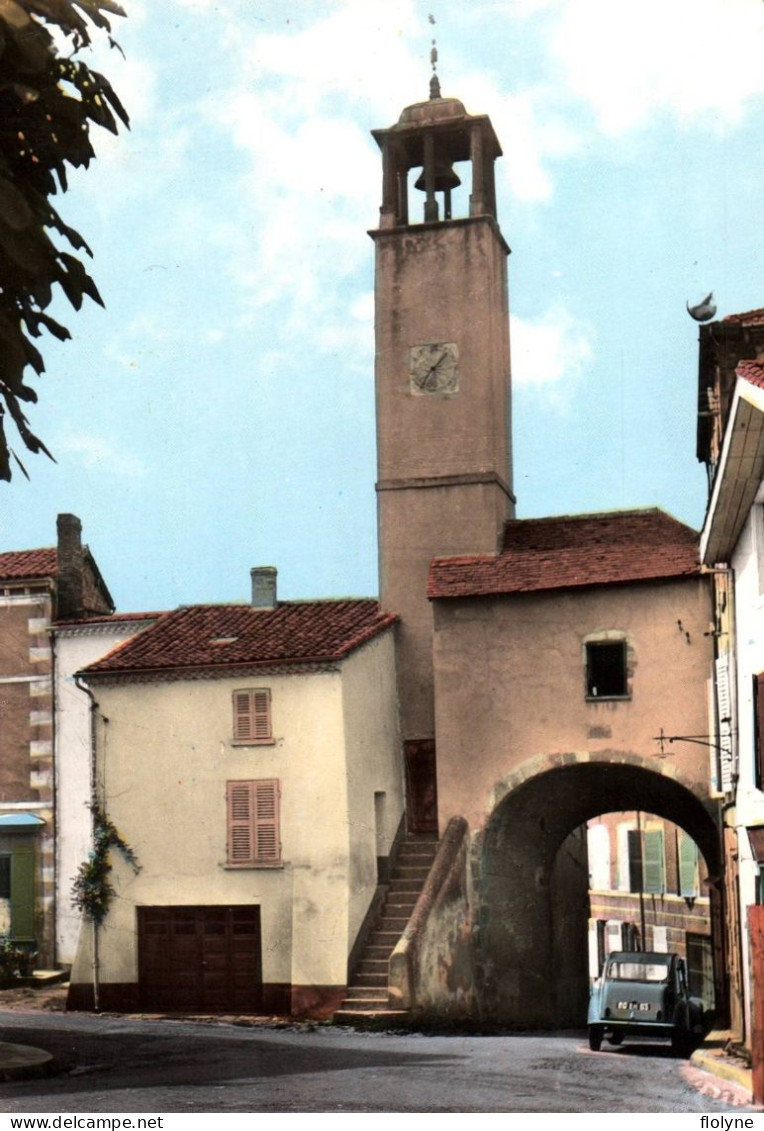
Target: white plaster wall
165 756
374 764
74 650
748 565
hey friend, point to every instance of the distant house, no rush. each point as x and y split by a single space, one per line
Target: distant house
37 587
648 890
250 756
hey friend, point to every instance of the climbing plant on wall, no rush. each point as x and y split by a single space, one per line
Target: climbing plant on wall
92 891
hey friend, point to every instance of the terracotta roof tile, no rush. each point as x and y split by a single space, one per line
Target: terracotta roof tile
570 551
219 636
748 318
752 371
28 563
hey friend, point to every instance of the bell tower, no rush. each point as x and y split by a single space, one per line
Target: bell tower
442 374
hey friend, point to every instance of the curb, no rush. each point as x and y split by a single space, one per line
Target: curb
712 1058
19 1062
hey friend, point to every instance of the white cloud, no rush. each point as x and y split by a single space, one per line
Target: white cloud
95 453
700 60
552 352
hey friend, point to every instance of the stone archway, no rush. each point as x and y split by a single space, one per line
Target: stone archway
532 899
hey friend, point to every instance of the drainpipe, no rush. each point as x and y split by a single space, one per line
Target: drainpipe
93 802
642 883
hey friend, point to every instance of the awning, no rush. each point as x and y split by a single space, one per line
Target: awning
756 837
19 821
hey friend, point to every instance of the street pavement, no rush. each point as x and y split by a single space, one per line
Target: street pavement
121 1064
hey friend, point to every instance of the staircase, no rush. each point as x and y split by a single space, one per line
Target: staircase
367 1000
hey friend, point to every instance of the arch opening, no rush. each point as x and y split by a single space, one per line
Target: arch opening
649 891
532 880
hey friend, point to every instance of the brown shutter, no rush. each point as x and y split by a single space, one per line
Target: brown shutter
242 716
267 844
253 822
252 716
261 712
240 813
758 720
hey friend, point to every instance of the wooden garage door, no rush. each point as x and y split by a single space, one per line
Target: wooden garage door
199 959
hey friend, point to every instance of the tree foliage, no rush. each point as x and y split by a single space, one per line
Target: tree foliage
48 100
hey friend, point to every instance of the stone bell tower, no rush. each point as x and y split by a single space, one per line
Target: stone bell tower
442 387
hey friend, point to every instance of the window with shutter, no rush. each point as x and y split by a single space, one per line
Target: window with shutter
647 869
252 717
635 860
758 727
253 824
689 885
725 764
654 862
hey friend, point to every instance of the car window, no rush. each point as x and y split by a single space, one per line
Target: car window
638 972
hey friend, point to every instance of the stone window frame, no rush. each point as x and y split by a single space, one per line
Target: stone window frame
609 636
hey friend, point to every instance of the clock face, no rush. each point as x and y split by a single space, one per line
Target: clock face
434 368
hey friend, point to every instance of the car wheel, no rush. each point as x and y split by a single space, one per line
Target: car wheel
595 1037
681 1044
615 1038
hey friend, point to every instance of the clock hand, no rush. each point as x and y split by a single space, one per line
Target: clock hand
433 369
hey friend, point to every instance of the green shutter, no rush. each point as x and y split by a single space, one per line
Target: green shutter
22 894
688 865
653 861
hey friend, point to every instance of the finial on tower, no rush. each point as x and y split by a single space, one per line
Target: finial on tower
434 81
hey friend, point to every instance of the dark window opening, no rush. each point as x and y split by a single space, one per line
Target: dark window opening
5 877
606 670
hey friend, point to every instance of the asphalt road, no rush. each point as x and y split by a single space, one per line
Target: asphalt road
118 1064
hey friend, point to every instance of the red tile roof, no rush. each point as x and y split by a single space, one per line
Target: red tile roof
223 636
28 563
748 318
571 551
752 371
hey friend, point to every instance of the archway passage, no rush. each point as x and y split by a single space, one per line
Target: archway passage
532 884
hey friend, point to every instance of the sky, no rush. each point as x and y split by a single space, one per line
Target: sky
219 412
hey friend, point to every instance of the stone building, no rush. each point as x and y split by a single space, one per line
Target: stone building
250 756
540 660
37 587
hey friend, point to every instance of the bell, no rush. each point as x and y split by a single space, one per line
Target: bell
445 178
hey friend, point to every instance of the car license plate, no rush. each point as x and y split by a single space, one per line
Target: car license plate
639 1006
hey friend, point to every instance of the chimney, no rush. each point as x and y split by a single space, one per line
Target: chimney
264 587
70 587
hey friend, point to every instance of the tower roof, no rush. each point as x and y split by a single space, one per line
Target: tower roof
433 110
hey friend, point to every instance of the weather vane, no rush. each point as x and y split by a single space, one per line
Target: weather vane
434 81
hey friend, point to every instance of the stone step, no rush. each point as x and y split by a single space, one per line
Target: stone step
400 911
369 965
410 872
371 981
413 860
393 923
365 994
404 885
388 939
379 950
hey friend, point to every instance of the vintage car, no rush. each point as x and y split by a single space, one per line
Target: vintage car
644 993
